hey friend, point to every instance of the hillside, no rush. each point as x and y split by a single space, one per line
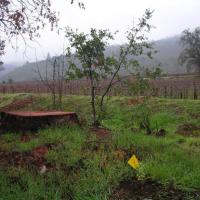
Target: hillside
168 52
80 162
7 68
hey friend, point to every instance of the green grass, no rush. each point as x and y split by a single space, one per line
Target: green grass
9 98
84 168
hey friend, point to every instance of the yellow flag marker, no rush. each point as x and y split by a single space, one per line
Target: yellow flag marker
133 162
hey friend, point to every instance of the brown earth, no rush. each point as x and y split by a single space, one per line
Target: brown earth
150 190
189 130
33 158
100 132
160 133
195 115
18 104
26 138
135 101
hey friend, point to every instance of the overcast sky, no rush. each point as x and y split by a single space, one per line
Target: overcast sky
170 18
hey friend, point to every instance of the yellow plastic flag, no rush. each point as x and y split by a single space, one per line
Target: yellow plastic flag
133 162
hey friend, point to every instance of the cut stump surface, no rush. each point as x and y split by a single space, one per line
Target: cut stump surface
32 121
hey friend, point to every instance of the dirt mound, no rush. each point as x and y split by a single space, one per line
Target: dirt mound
195 115
40 151
189 130
160 133
149 189
26 138
34 158
18 104
100 132
135 101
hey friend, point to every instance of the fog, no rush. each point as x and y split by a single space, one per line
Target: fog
170 18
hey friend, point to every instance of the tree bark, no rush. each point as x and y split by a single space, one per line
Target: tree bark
95 121
54 85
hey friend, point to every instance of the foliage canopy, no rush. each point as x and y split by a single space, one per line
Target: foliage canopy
190 56
87 58
24 18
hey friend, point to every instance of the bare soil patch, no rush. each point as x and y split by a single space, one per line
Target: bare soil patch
189 130
135 101
160 133
33 159
19 104
101 132
149 190
27 137
172 107
195 115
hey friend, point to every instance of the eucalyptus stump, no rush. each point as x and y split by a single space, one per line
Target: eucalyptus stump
32 121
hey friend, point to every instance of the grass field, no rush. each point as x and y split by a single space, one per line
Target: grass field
71 162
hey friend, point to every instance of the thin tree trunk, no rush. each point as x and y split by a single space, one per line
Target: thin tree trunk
195 92
53 88
93 106
95 122
113 77
61 81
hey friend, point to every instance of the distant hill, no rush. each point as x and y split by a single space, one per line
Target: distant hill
8 67
168 52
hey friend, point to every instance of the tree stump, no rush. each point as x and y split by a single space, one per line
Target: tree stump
32 121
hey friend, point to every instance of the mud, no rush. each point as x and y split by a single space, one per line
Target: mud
135 101
34 158
189 130
100 132
150 190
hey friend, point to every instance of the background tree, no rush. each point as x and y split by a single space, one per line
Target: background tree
87 58
155 73
24 18
190 56
89 51
53 78
139 86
